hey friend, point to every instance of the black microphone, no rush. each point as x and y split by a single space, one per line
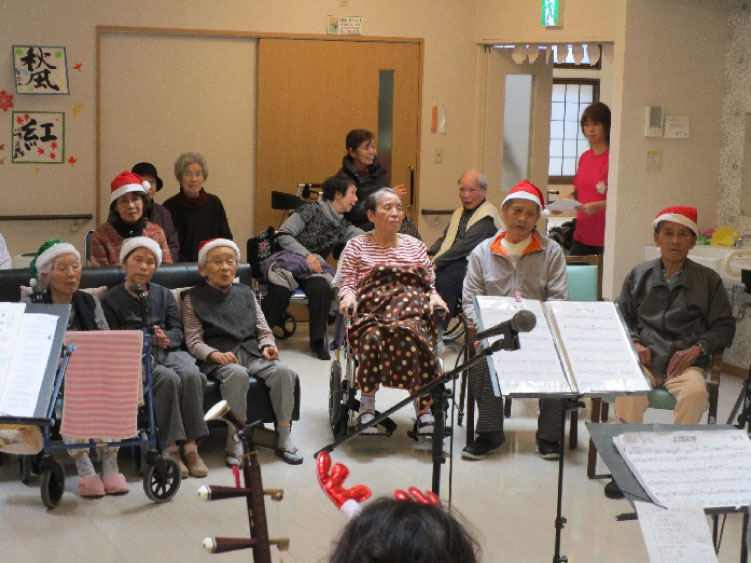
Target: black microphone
137 288
522 321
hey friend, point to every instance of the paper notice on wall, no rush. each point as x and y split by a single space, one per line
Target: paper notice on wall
676 534
344 25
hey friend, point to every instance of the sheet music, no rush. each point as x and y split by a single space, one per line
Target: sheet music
598 347
709 468
24 379
533 369
10 323
677 534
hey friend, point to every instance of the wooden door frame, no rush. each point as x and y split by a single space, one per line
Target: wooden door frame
101 30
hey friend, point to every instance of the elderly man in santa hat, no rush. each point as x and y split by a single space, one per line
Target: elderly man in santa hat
678 313
517 261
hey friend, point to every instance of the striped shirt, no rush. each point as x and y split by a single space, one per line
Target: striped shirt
362 254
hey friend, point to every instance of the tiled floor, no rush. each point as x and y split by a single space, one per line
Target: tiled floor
508 500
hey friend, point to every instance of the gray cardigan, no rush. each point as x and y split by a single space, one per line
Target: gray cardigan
540 274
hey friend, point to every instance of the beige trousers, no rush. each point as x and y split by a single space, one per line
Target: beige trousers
688 388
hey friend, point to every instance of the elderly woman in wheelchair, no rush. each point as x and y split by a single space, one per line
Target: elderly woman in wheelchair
387 288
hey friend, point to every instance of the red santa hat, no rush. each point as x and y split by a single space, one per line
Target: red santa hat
526 190
127 182
206 245
686 216
130 244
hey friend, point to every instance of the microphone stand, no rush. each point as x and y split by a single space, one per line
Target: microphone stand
436 389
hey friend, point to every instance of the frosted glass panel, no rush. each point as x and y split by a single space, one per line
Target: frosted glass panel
569 166
555 166
559 91
556 129
517 113
556 148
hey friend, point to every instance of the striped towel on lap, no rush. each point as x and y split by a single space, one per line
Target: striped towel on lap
102 384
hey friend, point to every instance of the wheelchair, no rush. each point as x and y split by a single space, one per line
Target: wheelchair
343 392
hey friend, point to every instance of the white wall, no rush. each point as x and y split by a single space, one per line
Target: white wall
672 56
448 79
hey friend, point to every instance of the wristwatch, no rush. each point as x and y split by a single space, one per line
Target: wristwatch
703 346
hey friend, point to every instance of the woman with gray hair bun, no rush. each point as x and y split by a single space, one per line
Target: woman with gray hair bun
197 214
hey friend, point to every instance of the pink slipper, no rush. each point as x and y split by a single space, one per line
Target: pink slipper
90 486
115 484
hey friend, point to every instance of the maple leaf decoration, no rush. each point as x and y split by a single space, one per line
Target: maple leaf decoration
6 100
19 120
26 116
72 160
40 150
77 67
53 144
2 147
52 155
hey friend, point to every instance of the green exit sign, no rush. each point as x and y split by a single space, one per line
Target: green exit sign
550 12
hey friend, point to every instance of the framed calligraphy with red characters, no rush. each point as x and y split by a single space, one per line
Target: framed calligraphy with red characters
40 70
38 137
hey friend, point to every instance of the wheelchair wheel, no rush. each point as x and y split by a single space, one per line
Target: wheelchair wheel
287 328
53 484
161 480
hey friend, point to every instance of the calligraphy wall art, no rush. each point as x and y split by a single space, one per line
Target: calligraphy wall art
40 70
38 137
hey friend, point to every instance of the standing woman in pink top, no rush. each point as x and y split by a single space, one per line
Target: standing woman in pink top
591 182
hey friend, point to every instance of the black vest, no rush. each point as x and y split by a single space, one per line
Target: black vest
229 320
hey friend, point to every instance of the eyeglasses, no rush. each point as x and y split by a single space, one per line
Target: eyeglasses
220 262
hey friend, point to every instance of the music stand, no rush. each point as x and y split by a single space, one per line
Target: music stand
602 435
558 350
47 389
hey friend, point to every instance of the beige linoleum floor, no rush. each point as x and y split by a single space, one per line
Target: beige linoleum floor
508 499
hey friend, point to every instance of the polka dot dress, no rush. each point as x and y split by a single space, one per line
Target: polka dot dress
393 336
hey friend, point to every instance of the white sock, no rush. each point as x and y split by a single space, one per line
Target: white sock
367 404
285 438
231 445
109 462
84 466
